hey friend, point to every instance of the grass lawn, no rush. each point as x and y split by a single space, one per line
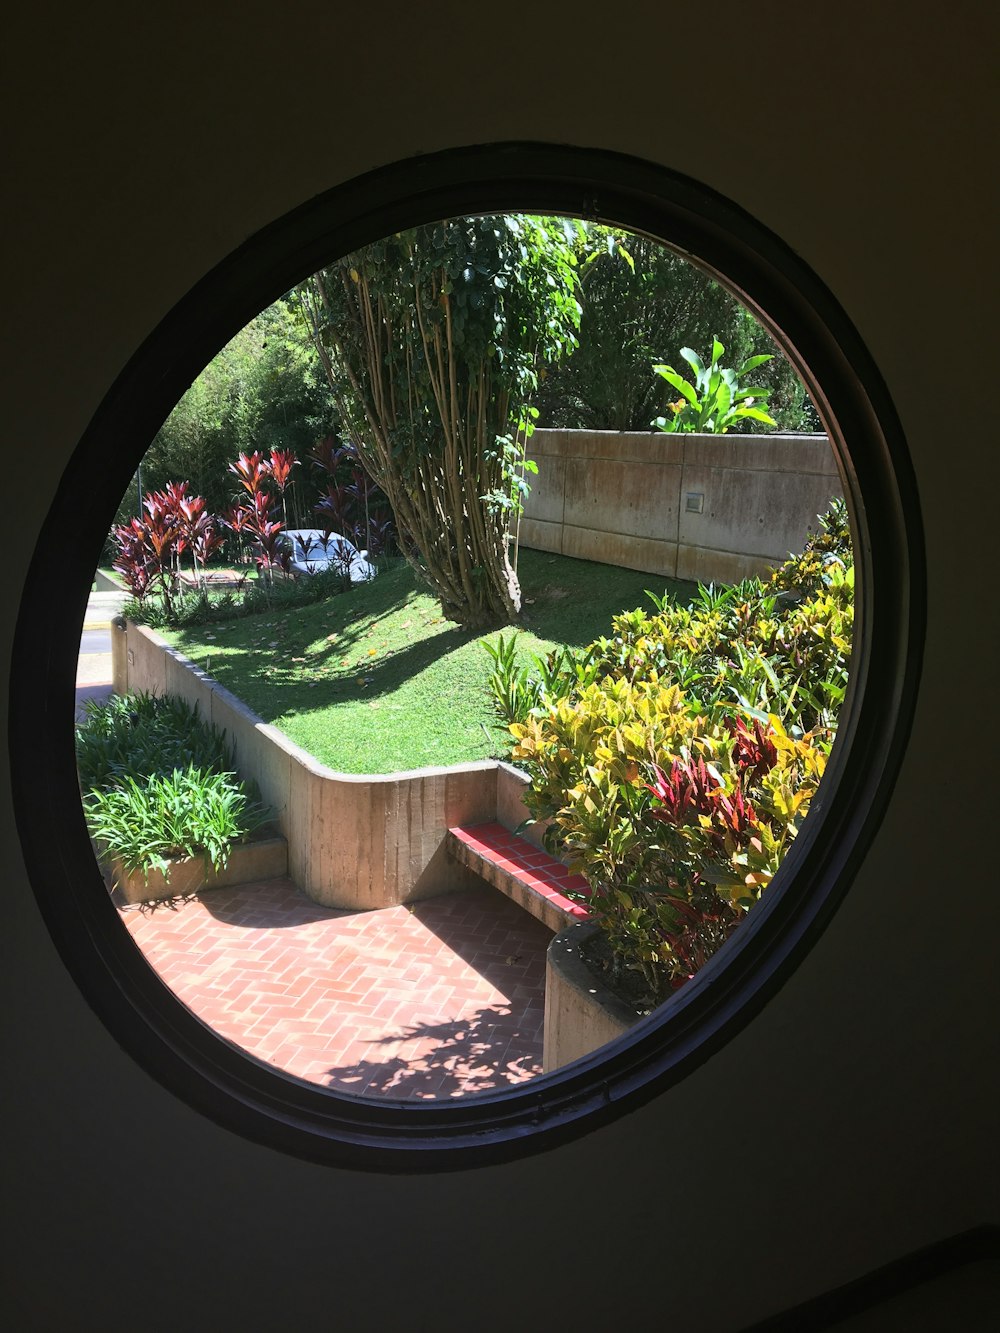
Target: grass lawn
375 681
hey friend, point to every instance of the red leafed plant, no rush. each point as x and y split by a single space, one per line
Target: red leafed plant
149 547
353 506
753 747
257 475
694 792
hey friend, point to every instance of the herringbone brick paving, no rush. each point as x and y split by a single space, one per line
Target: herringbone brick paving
440 998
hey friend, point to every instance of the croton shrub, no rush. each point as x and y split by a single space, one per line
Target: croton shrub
674 761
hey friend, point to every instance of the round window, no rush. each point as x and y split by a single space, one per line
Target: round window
602 190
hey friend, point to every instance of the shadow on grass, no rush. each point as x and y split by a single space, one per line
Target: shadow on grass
574 601
284 693
566 601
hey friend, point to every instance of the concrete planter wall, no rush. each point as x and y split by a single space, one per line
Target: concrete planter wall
710 508
354 841
581 1014
260 858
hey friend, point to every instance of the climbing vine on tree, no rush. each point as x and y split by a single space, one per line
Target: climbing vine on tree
432 341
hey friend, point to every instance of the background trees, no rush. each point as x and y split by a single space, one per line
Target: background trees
265 390
641 304
432 342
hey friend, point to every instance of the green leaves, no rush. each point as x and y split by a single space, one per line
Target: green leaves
436 356
715 400
158 783
676 761
189 812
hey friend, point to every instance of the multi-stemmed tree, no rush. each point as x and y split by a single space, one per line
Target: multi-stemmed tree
432 341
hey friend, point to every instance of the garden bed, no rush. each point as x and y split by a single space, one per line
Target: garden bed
262 857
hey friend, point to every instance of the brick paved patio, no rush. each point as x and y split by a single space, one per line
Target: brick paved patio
433 1000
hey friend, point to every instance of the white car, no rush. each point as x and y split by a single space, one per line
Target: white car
313 550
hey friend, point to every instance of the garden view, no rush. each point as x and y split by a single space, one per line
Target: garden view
673 734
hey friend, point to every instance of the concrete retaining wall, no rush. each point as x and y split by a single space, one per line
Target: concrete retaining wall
633 500
581 1013
355 842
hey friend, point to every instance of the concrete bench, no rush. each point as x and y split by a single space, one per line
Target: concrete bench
533 879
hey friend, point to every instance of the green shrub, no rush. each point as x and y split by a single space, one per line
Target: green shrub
136 735
145 823
717 399
674 761
158 783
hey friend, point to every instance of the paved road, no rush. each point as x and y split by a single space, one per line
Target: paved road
93 668
102 606
95 641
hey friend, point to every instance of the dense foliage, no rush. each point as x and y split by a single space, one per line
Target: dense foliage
432 341
639 299
158 783
717 399
174 528
674 761
263 391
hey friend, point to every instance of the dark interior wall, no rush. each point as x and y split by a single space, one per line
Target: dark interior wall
854 1119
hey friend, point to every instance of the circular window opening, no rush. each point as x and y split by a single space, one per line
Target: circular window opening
270 1105
301 530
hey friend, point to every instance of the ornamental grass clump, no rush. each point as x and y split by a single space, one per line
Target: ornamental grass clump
675 760
158 784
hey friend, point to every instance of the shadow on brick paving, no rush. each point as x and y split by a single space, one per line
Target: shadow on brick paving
488 1049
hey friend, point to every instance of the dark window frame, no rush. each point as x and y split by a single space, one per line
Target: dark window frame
144 1016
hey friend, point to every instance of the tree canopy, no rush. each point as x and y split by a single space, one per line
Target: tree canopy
264 390
432 341
641 303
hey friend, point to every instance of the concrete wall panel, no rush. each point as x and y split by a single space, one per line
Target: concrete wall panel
537 535
637 498
737 504
617 548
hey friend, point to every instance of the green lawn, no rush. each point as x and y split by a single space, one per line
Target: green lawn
374 681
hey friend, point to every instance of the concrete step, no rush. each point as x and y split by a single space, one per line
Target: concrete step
533 879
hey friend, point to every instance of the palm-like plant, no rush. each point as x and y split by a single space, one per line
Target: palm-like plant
716 399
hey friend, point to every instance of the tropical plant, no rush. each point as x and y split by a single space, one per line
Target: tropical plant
519 688
353 505
255 516
716 399
263 391
158 783
148 550
638 297
432 341
672 762
142 733
185 813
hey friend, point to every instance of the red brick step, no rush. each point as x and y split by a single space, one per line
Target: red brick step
533 879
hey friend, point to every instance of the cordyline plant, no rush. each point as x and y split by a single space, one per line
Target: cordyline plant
354 505
258 473
432 341
150 547
174 523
